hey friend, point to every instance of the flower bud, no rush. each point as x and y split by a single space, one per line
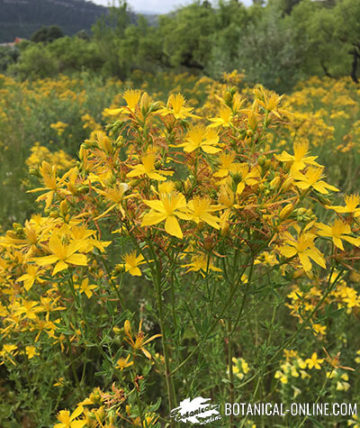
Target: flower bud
274 184
286 211
145 103
187 184
228 98
261 160
64 208
322 199
287 184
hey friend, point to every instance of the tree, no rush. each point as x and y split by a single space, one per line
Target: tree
35 62
348 32
232 21
186 36
47 34
82 34
108 33
330 36
288 5
8 56
268 52
313 26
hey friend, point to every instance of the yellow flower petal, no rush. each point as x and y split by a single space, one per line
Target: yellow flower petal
172 227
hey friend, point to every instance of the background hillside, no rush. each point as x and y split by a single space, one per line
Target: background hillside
21 18
277 43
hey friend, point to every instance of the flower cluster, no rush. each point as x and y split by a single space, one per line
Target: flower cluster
202 207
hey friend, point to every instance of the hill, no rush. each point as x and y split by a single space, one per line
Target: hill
21 18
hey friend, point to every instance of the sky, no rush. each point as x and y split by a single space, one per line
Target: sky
154 6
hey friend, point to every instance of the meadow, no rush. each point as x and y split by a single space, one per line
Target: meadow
172 236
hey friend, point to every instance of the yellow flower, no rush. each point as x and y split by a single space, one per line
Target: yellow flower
60 382
29 308
132 262
122 363
282 376
140 339
86 242
199 210
319 329
304 248
351 206
226 198
301 363
59 127
201 263
299 159
200 137
294 372
331 375
354 421
68 421
84 287
338 231
314 362
312 178
30 276
114 194
236 372
48 173
342 386
8 351
224 118
62 254
249 176
176 107
170 206
132 98
240 362
270 103
226 165
289 353
147 167
31 351
345 376
150 420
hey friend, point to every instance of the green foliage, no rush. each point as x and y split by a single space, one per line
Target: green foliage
76 54
265 57
186 36
64 55
35 62
8 56
28 112
47 34
347 31
277 44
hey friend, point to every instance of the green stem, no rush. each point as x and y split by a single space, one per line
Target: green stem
226 306
138 400
231 373
169 384
292 338
110 281
247 287
156 276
